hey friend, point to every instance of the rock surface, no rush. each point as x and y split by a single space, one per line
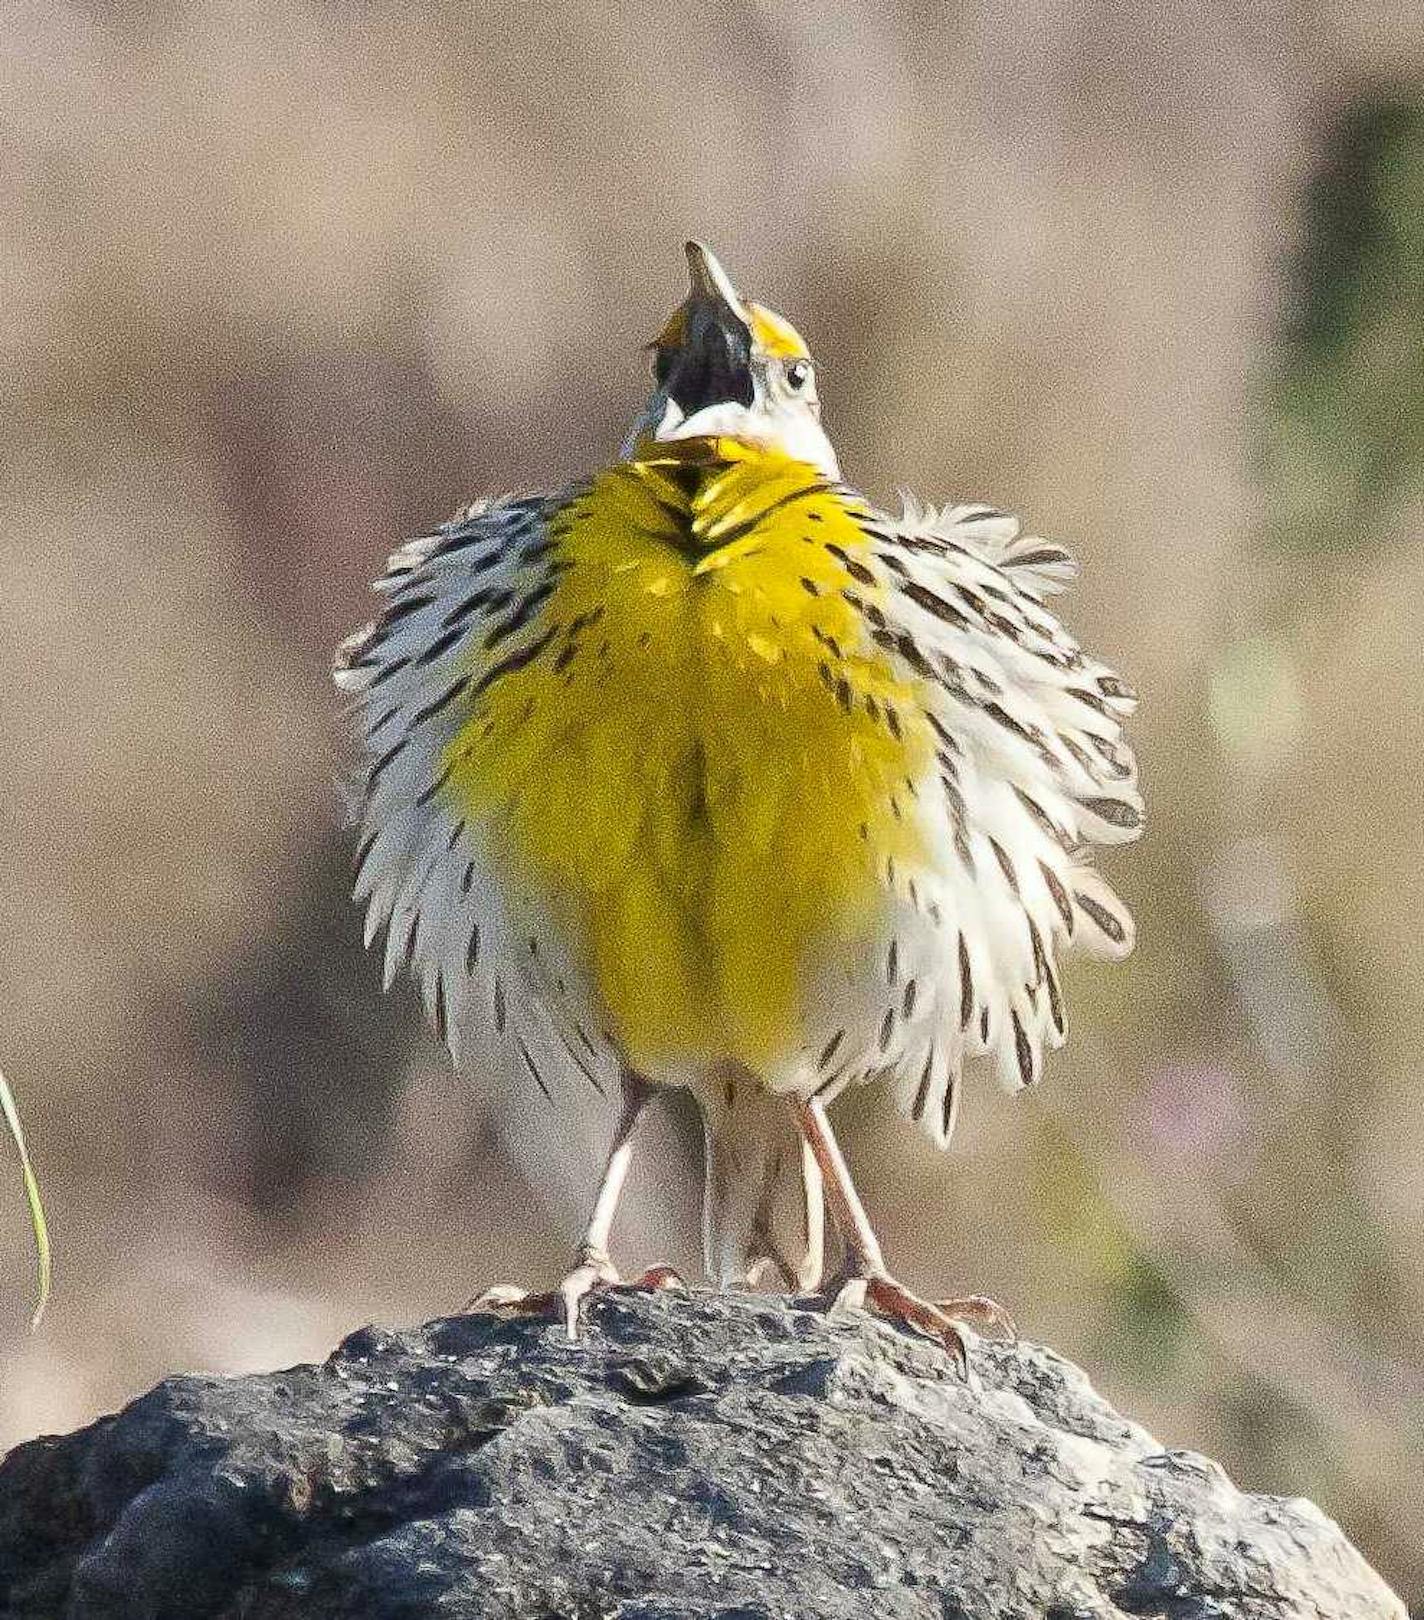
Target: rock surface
731 1456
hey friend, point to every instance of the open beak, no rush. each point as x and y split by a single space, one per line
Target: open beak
712 364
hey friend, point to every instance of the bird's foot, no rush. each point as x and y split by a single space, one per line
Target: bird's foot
936 1320
594 1273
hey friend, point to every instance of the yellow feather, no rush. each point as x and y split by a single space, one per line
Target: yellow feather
687 795
775 334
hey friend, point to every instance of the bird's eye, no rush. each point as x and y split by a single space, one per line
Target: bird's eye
798 376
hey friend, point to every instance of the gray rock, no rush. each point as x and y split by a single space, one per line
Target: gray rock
732 1456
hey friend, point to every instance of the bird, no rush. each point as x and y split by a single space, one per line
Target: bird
706 772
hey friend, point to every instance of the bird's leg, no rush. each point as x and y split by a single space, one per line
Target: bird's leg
870 1282
801 1273
594 1268
813 1208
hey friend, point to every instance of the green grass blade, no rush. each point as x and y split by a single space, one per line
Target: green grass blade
32 1198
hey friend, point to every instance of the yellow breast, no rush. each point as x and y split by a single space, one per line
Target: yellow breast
706 768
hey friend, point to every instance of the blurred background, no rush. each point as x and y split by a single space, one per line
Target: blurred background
282 283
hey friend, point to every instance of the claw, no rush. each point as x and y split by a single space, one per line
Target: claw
890 1298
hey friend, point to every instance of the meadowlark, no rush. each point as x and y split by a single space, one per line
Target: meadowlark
705 772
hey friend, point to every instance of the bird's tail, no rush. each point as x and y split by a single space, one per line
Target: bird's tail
762 1208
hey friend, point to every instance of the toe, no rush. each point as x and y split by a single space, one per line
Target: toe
984 1315
894 1300
497 1297
764 1273
575 1288
660 1278
851 1295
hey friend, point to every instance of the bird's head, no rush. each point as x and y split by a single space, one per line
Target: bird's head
727 368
